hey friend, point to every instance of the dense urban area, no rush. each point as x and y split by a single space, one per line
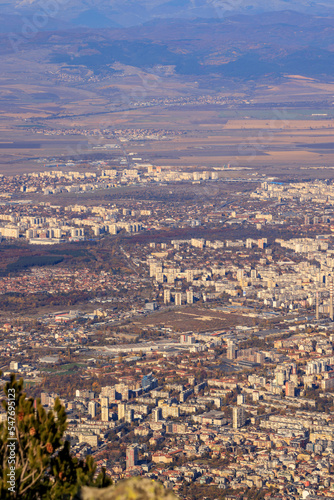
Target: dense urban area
190 340
166 250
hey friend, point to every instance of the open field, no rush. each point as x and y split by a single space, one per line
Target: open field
270 128
196 318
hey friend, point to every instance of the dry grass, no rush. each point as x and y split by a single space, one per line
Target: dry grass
197 319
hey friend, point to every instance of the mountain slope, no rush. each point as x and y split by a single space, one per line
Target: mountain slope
134 12
239 46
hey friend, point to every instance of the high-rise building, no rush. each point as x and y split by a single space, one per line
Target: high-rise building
152 269
92 409
190 297
170 411
170 278
160 277
166 296
14 365
84 394
44 398
240 274
123 390
331 308
231 351
148 381
240 399
178 299
105 414
125 393
256 396
280 377
290 389
238 417
187 339
109 392
104 402
121 411
131 456
189 275
156 414
129 415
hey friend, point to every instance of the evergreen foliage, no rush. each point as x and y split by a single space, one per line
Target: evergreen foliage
44 467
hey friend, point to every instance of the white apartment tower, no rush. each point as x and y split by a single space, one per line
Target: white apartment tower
178 299
166 296
121 411
190 297
105 414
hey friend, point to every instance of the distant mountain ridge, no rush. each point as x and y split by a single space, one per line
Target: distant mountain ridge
241 45
111 13
246 47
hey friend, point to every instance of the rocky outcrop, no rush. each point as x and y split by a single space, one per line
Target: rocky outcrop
130 489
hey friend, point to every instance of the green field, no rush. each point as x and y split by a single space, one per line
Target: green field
63 369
